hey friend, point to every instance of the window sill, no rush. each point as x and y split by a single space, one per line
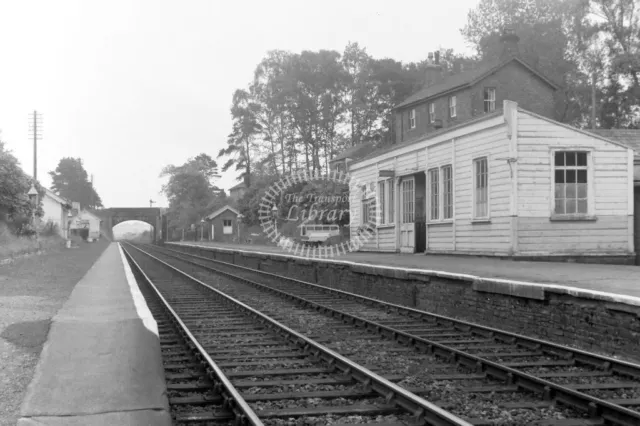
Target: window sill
572 218
481 220
386 225
440 222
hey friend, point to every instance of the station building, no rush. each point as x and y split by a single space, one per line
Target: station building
56 210
222 225
480 167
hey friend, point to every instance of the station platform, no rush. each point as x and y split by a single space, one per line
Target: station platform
101 363
621 280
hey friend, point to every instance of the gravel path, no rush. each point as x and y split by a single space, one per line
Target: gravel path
32 290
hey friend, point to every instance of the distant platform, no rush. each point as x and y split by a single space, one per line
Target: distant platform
621 280
101 364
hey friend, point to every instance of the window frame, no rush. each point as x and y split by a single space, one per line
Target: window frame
474 180
432 112
440 169
590 214
412 118
431 174
491 102
226 227
453 106
444 193
367 200
386 199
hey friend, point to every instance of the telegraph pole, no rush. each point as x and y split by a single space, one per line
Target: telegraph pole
35 131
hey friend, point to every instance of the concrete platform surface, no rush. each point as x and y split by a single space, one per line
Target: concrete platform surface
616 279
101 364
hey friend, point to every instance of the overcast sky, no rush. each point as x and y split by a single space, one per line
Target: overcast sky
131 86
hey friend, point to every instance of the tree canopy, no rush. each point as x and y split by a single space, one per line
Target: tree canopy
14 186
70 181
190 190
301 109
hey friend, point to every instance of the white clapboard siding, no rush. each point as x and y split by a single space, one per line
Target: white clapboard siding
491 237
536 136
493 144
537 234
440 237
439 155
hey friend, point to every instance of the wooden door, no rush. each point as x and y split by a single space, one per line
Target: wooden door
407 215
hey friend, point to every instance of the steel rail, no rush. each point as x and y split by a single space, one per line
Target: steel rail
232 398
581 401
422 410
595 360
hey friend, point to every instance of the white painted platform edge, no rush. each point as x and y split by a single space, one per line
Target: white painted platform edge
554 288
141 305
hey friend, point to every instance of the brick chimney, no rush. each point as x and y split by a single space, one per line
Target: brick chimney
433 73
509 43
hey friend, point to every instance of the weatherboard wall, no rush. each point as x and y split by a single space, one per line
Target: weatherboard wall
608 229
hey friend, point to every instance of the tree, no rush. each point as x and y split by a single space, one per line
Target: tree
190 189
70 181
240 142
14 186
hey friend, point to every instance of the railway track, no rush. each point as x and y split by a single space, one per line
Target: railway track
606 389
263 372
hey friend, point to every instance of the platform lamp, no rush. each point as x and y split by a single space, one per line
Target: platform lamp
33 198
201 229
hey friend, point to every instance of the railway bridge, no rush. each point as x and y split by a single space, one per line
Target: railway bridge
154 216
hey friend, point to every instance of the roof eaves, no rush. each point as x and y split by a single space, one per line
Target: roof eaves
428 136
584 132
435 95
220 211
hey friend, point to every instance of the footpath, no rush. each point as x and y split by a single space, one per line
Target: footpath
32 290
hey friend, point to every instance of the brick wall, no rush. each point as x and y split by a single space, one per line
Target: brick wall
463 113
600 323
513 82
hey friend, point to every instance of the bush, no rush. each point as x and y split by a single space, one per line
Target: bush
50 229
11 245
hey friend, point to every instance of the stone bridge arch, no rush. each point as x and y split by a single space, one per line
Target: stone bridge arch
152 215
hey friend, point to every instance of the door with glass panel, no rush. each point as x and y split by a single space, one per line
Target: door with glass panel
407 215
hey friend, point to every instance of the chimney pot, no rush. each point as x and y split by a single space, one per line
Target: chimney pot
437 57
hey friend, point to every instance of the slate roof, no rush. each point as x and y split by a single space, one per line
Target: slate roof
468 78
222 210
628 137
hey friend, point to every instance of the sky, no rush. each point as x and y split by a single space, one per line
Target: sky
132 86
